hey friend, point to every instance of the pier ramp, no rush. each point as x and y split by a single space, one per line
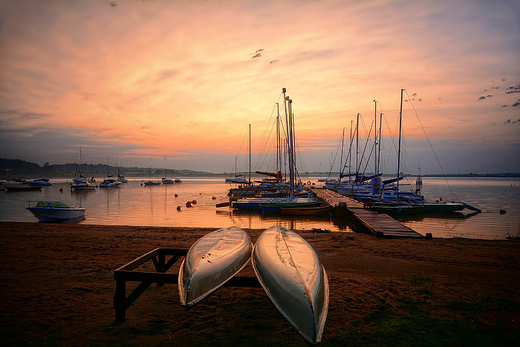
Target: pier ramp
377 223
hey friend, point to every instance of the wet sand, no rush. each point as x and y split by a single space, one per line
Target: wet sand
57 287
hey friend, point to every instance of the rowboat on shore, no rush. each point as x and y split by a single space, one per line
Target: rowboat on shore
293 278
210 262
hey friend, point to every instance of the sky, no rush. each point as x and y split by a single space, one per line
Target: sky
135 82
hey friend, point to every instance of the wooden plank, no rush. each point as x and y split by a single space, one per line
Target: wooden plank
377 223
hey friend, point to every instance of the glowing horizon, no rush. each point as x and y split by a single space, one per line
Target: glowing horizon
185 79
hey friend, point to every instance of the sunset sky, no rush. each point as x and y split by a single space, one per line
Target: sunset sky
186 78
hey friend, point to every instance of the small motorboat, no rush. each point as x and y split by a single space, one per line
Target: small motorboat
20 187
167 181
293 278
82 183
152 183
56 212
122 179
42 182
109 183
210 262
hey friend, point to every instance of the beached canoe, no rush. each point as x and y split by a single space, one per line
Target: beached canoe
291 274
210 262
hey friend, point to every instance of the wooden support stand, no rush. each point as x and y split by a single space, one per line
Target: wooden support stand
125 274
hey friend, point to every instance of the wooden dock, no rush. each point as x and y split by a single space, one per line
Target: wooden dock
377 223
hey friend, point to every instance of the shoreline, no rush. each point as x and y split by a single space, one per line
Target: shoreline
57 287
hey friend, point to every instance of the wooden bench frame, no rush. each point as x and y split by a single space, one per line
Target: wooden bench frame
126 273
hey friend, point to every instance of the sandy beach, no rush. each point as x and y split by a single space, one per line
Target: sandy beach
57 288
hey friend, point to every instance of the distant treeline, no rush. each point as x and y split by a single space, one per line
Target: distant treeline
15 168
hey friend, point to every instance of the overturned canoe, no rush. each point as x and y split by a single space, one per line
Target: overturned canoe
291 274
210 262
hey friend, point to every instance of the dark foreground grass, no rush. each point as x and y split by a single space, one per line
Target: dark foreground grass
413 324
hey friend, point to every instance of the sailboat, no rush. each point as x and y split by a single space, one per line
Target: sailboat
79 182
166 180
276 204
150 182
236 178
120 177
109 181
407 202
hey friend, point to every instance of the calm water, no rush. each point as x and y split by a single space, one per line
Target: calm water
139 205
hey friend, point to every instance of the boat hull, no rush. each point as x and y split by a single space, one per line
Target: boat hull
293 278
20 187
397 209
443 207
109 183
210 262
307 210
48 214
277 207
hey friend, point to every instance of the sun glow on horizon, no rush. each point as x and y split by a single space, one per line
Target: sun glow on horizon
185 79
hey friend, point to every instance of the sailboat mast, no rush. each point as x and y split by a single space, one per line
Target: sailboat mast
278 149
379 147
399 147
291 148
249 153
357 144
341 156
79 163
350 152
375 139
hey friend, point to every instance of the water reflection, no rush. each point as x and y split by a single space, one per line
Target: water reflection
136 204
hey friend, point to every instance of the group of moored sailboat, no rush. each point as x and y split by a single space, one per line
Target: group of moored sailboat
273 194
286 266
385 195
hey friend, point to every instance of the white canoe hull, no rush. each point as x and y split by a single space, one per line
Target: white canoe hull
210 262
291 274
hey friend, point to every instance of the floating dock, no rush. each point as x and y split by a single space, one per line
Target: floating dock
377 223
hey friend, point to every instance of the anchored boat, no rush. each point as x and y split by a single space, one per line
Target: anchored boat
56 212
210 262
293 278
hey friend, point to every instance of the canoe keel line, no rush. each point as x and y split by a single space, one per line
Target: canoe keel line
293 278
212 261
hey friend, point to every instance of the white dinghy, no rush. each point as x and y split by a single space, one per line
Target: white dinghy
210 262
291 274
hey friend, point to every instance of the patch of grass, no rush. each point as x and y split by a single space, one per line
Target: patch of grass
417 328
17 338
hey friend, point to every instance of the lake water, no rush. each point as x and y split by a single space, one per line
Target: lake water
135 204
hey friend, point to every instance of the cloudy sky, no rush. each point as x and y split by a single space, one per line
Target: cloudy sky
184 79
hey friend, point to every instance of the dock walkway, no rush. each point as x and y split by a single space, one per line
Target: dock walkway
378 223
